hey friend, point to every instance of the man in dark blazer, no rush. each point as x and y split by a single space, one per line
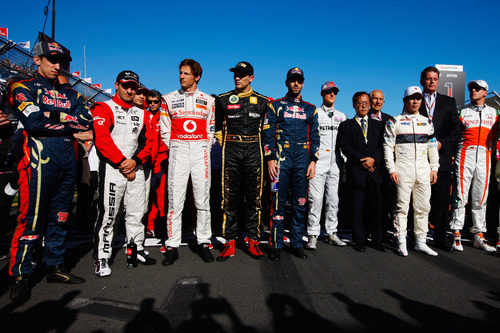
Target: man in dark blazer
442 110
360 140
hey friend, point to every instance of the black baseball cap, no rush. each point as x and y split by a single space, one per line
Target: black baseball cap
51 49
127 76
294 73
244 68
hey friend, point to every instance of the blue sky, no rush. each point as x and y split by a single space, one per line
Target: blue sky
360 45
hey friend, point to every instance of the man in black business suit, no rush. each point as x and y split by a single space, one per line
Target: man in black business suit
360 140
442 111
377 100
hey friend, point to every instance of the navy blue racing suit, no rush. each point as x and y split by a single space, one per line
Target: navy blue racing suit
291 138
50 113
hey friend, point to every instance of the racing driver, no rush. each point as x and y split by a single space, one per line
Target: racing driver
187 128
291 145
409 140
50 113
473 165
120 138
326 180
239 116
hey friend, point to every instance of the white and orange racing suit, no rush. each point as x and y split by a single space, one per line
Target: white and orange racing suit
473 164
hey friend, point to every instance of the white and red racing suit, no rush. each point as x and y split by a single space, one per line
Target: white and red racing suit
473 164
120 133
187 128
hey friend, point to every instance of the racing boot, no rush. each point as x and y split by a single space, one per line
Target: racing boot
228 251
102 268
253 248
457 242
333 239
311 243
171 255
421 246
402 250
61 275
21 289
144 258
480 243
205 253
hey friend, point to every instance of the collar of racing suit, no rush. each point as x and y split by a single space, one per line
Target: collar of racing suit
121 102
245 94
183 92
51 82
293 99
406 113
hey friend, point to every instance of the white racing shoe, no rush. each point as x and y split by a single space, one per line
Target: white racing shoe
333 239
402 250
421 246
480 243
457 242
312 242
102 268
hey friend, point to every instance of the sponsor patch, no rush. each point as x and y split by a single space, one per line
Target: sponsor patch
99 120
201 101
421 124
20 97
302 201
278 217
29 237
62 216
253 100
23 105
135 118
200 106
30 109
177 105
405 123
254 115
233 99
233 106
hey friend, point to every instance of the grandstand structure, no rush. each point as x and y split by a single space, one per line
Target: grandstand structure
17 61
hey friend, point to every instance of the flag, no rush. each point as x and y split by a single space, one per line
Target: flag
107 90
25 45
4 32
76 74
87 79
97 85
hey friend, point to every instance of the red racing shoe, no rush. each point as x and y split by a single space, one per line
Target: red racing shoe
253 248
228 251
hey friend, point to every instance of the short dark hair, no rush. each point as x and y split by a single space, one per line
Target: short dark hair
195 66
358 94
154 93
427 70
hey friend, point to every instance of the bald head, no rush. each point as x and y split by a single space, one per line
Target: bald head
377 101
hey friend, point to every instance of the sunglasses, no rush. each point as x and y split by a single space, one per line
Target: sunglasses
153 101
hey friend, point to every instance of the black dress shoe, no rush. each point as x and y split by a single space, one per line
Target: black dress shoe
205 253
21 290
299 253
61 275
359 247
171 255
275 254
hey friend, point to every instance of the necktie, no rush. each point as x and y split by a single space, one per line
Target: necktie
363 127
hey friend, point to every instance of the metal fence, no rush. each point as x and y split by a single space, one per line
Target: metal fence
17 61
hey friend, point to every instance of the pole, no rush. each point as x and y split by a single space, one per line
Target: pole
53 19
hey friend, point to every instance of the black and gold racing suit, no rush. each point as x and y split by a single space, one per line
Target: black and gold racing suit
238 124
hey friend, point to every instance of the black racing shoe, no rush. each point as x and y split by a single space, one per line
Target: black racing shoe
60 275
21 289
275 254
144 258
171 255
205 253
299 253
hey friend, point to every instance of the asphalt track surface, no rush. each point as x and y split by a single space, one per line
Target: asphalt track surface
334 290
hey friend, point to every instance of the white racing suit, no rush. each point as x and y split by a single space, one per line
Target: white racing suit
187 128
120 133
326 180
473 164
410 149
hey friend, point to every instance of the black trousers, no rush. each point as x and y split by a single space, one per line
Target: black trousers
367 213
